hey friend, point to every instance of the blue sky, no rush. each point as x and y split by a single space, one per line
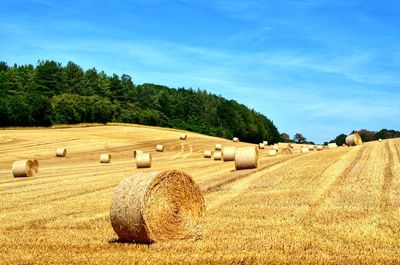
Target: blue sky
316 67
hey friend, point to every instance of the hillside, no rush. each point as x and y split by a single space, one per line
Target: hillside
332 206
50 93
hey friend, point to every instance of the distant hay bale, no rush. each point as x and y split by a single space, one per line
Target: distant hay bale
235 139
246 157
275 147
286 151
380 140
353 139
36 163
272 152
23 168
344 145
207 154
320 148
305 150
61 152
160 148
218 147
136 152
157 207
265 143
183 136
143 160
217 155
332 146
228 153
290 146
105 158
261 146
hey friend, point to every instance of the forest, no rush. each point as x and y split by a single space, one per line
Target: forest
49 93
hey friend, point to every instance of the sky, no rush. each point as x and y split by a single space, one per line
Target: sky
316 67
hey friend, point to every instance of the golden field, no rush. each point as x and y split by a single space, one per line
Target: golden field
338 206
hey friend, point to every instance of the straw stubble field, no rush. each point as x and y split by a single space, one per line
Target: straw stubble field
331 206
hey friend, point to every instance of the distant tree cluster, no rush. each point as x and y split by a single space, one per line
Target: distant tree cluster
50 93
368 136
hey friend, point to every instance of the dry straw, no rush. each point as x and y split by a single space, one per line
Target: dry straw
235 139
380 140
228 153
320 148
157 207
275 147
143 160
272 152
105 158
265 143
136 152
290 146
246 157
61 152
36 163
183 136
305 150
218 147
332 146
207 154
217 155
23 168
353 139
160 148
286 151
261 146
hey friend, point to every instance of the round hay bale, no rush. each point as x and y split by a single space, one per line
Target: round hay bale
218 147
261 146
305 150
275 147
272 152
332 146
290 146
160 148
105 158
36 163
246 157
265 143
61 152
143 160
228 153
217 155
286 151
23 168
183 136
353 139
380 140
207 154
136 152
235 139
320 148
157 207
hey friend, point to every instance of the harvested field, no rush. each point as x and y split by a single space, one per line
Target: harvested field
336 206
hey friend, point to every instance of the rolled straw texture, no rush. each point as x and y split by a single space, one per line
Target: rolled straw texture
160 148
143 160
353 139
105 158
246 157
61 152
207 154
228 153
23 168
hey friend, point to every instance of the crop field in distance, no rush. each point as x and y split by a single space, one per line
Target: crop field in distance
331 206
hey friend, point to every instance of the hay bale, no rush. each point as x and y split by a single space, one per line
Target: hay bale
380 140
275 147
143 160
353 139
235 139
305 150
320 148
157 207
137 152
246 157
36 163
286 151
183 136
332 146
23 168
160 148
228 153
105 158
265 143
207 154
290 146
272 152
218 147
217 155
61 152
261 146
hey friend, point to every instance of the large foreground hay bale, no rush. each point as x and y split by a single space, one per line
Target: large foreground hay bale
228 153
105 158
183 136
353 139
286 151
261 146
305 150
218 147
217 155
272 152
246 157
332 146
136 152
23 168
207 154
61 152
143 160
157 207
235 139
160 148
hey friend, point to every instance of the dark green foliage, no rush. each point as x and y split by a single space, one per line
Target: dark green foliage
368 136
50 93
340 139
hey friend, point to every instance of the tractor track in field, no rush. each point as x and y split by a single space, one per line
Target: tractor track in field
384 203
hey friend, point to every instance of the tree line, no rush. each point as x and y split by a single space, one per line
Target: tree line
50 93
368 136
